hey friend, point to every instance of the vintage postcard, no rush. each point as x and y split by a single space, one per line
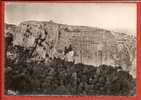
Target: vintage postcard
70 49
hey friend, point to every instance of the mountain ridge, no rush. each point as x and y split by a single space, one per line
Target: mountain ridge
118 48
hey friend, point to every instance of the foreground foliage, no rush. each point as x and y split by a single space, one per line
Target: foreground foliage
65 78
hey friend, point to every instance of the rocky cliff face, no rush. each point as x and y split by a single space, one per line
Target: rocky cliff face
92 45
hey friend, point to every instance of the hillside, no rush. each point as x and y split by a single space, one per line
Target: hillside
92 46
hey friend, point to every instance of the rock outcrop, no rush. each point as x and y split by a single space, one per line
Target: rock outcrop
93 46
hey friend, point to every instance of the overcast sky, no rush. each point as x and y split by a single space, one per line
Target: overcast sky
116 17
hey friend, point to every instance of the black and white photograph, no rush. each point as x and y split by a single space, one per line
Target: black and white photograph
70 49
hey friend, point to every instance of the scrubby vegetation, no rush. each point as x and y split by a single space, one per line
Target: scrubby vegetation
66 78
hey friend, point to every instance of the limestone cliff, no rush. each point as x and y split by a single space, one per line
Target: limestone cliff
91 45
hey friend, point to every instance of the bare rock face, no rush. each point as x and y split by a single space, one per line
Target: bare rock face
91 45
